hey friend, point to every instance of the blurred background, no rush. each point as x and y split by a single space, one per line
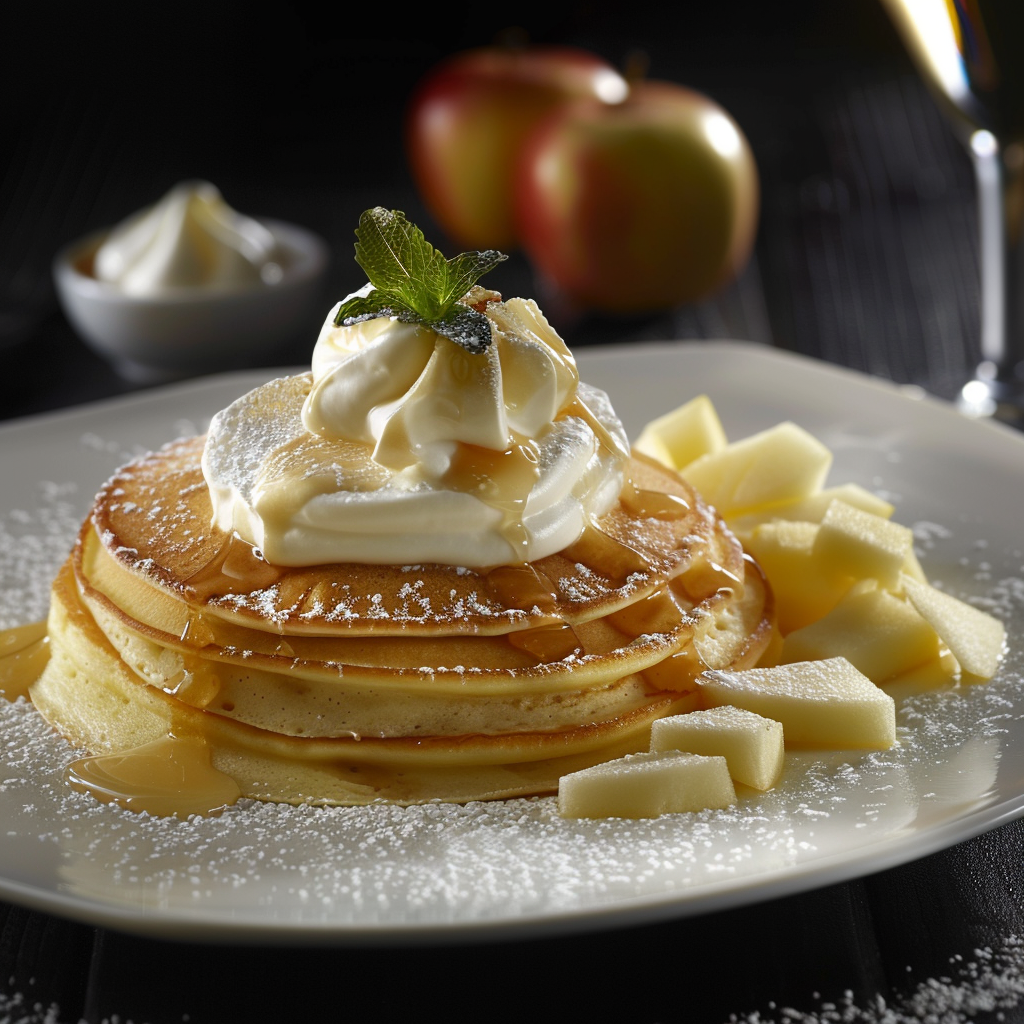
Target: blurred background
866 256
865 253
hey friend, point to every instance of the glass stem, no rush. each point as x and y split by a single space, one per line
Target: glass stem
999 171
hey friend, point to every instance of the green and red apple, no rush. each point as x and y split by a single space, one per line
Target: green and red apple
640 205
468 123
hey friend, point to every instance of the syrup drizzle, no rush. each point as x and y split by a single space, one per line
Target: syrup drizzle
706 577
197 684
677 672
604 436
501 479
552 642
653 504
617 561
525 587
658 612
522 586
172 776
24 652
236 568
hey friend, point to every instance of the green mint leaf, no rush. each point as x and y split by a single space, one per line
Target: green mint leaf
466 269
413 281
399 260
360 307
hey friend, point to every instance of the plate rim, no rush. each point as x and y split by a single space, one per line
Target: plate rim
180 925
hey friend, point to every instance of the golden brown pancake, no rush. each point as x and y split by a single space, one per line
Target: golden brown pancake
344 684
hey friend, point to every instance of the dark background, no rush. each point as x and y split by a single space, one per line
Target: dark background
296 114
866 256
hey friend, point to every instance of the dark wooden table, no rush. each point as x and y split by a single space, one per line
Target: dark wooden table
866 257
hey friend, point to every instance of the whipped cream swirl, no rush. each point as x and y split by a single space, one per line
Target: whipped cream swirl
191 238
403 448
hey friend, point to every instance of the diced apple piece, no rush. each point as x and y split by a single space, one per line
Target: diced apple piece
856 543
654 446
778 465
683 435
881 634
973 637
812 509
803 591
932 675
825 704
646 785
751 745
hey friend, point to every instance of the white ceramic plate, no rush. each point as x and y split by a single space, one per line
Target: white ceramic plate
265 873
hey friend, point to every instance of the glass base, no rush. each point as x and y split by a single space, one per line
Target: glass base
992 396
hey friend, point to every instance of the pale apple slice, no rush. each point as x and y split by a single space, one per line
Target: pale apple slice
823 704
752 746
656 447
804 588
647 785
774 467
974 637
812 509
932 675
855 543
881 634
683 435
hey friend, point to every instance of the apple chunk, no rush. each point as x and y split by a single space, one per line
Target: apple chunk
881 634
804 588
774 467
752 746
683 435
824 704
646 785
861 544
973 637
811 509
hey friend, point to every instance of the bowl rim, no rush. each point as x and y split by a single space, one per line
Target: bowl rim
309 254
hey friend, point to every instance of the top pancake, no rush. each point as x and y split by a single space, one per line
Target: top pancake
154 519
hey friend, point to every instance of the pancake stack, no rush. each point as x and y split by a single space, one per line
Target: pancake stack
347 684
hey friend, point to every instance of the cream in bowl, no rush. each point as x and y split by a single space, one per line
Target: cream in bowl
189 285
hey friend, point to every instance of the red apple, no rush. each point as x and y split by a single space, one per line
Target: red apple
643 205
467 123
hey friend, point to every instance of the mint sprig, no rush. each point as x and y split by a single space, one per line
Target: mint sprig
415 283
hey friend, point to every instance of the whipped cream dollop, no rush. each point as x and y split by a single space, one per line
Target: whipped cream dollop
191 238
401 448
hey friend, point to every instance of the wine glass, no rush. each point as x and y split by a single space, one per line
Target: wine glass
971 52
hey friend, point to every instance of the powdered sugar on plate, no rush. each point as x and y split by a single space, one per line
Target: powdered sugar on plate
269 867
34 541
369 874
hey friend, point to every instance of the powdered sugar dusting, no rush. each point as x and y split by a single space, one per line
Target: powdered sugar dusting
991 982
262 867
446 865
443 865
34 540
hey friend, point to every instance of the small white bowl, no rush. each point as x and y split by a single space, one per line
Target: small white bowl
194 330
